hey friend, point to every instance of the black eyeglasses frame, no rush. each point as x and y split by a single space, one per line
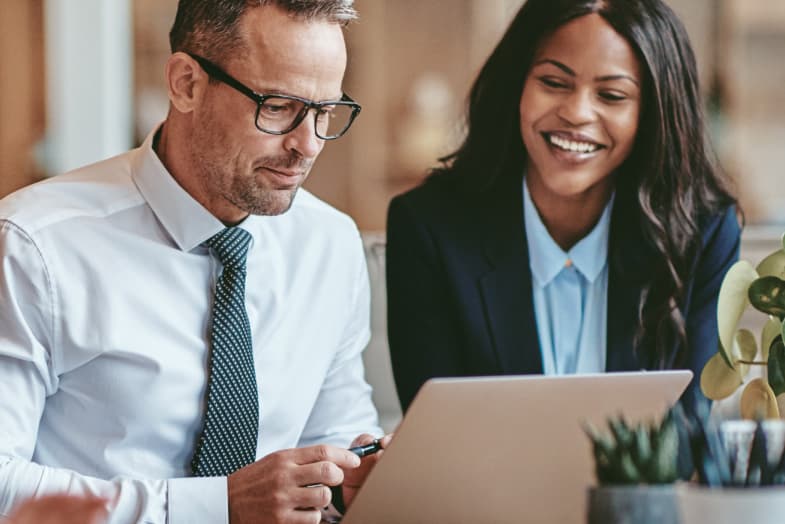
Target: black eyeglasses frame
216 72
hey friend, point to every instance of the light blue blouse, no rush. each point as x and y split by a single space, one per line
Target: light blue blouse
570 292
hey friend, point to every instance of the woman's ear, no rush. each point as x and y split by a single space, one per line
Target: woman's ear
185 82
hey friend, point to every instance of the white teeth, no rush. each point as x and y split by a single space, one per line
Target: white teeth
569 145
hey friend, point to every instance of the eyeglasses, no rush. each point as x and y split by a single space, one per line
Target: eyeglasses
278 114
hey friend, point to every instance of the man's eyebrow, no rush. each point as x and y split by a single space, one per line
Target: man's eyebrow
605 78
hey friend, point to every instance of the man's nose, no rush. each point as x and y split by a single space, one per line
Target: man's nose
303 138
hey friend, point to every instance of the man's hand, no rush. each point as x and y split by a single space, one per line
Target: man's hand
354 477
288 486
60 509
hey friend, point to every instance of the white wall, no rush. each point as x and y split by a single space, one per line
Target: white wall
88 68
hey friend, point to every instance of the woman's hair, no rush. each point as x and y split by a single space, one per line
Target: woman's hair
668 184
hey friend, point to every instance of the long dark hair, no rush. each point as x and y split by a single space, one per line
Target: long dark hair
668 184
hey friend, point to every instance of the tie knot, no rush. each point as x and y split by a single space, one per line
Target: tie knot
231 246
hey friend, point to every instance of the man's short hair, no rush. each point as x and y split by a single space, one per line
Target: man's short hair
211 27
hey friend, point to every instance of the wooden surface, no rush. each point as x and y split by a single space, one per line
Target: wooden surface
22 107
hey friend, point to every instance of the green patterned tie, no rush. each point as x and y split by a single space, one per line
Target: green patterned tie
228 440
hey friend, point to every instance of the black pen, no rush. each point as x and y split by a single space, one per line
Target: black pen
368 449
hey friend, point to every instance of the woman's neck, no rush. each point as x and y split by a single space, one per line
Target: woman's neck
569 219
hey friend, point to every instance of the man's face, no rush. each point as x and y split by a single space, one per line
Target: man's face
242 169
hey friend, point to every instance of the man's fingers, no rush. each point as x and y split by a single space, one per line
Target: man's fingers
362 440
311 497
385 440
303 516
324 453
325 473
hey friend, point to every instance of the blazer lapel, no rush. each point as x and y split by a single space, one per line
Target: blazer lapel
506 287
627 261
623 298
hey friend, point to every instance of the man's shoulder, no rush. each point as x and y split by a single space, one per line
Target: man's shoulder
313 230
94 191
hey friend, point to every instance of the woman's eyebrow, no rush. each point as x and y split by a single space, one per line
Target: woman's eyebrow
604 78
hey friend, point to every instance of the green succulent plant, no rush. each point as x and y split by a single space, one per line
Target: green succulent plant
762 287
639 454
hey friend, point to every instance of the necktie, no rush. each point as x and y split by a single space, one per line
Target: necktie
228 440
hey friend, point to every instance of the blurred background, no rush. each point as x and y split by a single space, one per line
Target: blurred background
81 80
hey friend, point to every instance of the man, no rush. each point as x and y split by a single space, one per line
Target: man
172 314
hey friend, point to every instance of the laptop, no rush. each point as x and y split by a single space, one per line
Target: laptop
503 449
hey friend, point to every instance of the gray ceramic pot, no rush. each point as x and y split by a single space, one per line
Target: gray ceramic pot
633 505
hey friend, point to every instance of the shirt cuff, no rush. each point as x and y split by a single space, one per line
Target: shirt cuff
198 499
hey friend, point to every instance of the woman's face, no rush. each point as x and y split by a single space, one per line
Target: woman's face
579 109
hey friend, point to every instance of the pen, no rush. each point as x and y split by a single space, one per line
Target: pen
368 449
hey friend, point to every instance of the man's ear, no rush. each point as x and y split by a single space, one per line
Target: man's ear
185 81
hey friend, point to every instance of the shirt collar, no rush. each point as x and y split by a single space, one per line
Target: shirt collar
547 259
186 220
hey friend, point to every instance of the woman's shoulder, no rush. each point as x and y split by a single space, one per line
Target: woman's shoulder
441 197
722 225
436 188
457 207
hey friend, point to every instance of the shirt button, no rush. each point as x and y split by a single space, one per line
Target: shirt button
568 263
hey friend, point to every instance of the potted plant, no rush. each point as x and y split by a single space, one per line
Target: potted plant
746 460
636 467
763 287
740 464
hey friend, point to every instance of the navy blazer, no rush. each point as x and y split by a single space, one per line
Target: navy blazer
459 290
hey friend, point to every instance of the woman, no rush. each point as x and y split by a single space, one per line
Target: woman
582 225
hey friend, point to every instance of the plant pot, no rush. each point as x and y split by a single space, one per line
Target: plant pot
699 504
641 504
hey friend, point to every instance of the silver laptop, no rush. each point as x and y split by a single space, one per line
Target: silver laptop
503 449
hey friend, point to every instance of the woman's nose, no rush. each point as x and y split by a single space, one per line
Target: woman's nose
577 107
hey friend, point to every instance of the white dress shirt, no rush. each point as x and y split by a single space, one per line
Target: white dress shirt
570 291
105 301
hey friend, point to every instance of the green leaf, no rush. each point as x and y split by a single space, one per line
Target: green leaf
770 331
773 265
732 302
621 432
666 454
718 381
635 454
777 367
758 401
590 431
642 451
767 294
745 347
628 471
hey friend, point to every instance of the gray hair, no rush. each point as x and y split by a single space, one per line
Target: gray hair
211 27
